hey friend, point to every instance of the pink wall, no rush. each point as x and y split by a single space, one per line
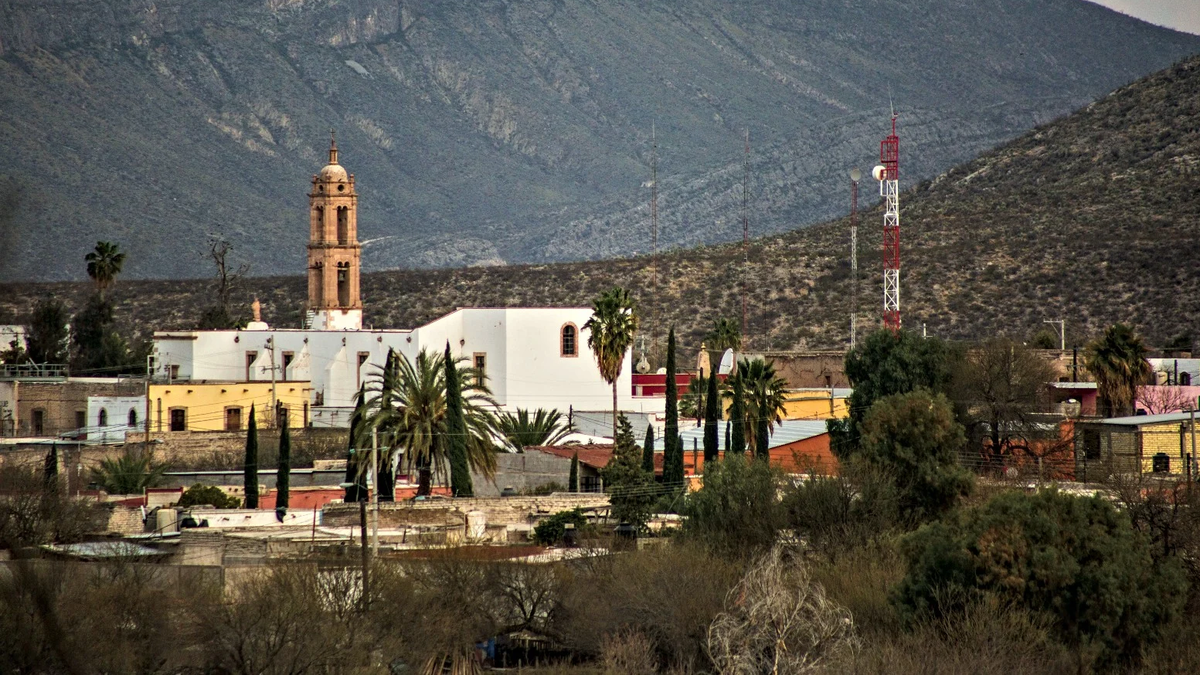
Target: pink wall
1164 399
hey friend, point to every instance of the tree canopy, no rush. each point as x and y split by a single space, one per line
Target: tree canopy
611 329
1117 360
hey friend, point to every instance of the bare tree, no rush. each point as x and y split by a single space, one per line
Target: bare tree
1161 400
778 620
228 276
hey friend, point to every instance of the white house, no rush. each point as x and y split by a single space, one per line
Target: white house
534 357
109 417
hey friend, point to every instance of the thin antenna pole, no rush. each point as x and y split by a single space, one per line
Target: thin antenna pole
654 233
745 233
853 260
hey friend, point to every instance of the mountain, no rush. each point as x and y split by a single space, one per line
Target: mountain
1091 218
504 130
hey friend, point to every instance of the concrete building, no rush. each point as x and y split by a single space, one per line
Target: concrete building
1149 444
185 405
58 405
110 417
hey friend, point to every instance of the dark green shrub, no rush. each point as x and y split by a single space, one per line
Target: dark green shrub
208 495
738 510
550 531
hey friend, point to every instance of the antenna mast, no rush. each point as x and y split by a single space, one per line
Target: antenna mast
745 232
855 175
889 188
654 233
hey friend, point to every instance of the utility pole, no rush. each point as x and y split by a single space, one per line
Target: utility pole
1193 456
654 235
1062 332
745 236
366 555
374 492
855 175
274 402
149 370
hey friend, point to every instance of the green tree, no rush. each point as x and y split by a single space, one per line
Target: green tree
208 495
672 445
46 335
104 264
1117 360
1075 559
15 352
692 403
611 329
250 464
522 429
573 477
455 436
737 511
129 473
283 474
631 491
884 364
914 439
96 345
736 391
725 334
1044 339
406 405
712 413
648 450
765 394
999 386
50 466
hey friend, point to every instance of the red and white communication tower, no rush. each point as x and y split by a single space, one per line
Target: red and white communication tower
888 175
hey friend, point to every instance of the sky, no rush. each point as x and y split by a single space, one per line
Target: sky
1181 15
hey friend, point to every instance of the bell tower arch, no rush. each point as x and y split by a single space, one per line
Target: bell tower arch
334 254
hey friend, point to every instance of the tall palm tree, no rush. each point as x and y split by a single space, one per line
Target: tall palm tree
524 429
104 264
406 405
1117 359
764 395
725 334
611 329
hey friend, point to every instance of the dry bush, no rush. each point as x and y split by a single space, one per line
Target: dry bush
669 594
777 620
860 580
987 639
628 653
34 512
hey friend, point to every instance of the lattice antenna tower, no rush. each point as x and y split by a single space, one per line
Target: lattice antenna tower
888 175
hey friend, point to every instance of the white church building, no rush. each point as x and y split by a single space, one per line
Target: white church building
533 357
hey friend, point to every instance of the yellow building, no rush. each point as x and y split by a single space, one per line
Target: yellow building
1151 444
817 404
225 406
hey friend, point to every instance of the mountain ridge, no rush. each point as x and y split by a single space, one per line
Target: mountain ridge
505 130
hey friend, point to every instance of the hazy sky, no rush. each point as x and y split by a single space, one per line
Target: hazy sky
1178 14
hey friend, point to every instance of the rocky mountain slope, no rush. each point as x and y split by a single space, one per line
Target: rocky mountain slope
1091 218
503 130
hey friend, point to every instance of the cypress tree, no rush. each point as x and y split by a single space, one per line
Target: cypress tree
455 437
672 442
762 440
648 451
356 480
573 477
251 464
283 475
50 468
737 417
727 425
387 478
712 408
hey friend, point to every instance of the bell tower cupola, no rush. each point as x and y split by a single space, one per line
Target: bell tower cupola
334 254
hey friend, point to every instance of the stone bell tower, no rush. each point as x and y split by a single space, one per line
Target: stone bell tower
334 254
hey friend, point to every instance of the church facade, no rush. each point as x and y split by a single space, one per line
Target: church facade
533 357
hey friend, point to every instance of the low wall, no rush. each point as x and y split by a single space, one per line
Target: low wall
497 510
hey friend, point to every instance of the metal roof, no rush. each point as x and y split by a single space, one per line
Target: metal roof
790 431
1139 420
104 549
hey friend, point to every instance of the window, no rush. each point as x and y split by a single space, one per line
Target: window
318 284
363 357
173 373
343 284
80 419
288 357
133 417
39 422
1091 444
480 361
102 418
343 224
589 484
233 419
1185 379
251 357
178 419
569 342
1161 463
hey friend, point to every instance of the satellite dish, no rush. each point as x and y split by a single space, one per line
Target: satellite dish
855 174
877 172
643 366
726 366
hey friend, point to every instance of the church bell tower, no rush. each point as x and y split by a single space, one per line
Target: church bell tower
334 254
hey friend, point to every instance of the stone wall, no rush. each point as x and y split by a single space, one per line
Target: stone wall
216 450
453 512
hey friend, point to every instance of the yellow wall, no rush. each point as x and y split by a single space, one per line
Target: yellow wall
1164 438
206 404
814 405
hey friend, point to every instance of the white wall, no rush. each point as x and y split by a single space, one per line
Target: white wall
118 408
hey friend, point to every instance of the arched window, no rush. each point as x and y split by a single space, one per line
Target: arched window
1185 379
318 233
133 417
102 419
343 284
343 225
569 340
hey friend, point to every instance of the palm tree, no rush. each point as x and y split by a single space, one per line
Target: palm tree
523 429
725 334
406 405
764 394
104 264
129 473
1117 359
611 329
